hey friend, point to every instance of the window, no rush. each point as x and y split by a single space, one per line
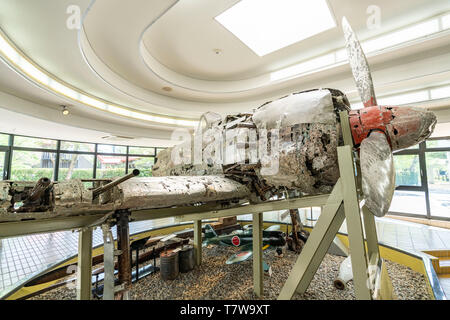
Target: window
423 180
34 158
269 25
142 151
2 162
409 202
106 148
4 140
27 142
32 165
110 166
438 173
407 170
77 146
438 144
75 166
144 164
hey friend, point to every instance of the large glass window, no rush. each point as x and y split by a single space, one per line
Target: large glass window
32 165
2 163
106 148
77 146
422 177
76 160
110 166
4 139
142 151
438 173
410 202
438 143
75 166
144 164
407 170
27 142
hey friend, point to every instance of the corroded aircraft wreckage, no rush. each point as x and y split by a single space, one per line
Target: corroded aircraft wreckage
286 148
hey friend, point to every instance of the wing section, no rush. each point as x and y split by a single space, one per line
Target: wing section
275 227
245 253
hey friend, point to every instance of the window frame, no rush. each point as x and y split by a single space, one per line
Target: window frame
9 151
421 152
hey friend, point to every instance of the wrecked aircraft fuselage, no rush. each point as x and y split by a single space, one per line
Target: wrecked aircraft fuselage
300 134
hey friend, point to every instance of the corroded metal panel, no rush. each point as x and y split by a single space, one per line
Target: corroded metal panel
159 192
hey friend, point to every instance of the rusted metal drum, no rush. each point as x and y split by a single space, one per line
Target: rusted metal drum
169 265
186 257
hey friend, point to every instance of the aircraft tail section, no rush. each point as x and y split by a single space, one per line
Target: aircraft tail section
210 232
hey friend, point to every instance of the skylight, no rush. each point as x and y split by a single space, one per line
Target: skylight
269 25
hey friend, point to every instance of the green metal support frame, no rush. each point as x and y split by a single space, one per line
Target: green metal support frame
84 266
343 203
258 271
198 241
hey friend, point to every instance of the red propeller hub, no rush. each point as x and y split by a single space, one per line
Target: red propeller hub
403 126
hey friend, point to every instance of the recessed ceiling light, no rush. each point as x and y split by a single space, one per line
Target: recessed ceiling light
65 111
269 25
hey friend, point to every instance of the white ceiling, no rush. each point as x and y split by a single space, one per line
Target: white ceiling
184 38
129 50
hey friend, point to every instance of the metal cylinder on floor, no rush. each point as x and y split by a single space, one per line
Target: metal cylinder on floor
186 259
169 265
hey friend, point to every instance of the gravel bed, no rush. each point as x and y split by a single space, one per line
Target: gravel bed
216 280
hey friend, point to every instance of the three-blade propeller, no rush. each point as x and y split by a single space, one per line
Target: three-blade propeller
376 160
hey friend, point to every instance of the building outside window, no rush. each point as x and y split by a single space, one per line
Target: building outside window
29 158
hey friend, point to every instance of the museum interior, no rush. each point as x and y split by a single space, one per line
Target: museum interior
224 150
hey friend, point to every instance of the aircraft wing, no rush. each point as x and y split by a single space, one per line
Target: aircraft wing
275 227
245 253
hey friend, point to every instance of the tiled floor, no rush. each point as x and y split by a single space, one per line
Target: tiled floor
22 258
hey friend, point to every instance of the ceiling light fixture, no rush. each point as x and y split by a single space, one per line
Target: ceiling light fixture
65 111
266 26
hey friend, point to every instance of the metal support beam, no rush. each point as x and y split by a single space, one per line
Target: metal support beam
20 228
258 271
198 241
124 259
108 260
371 233
317 245
84 266
354 224
294 203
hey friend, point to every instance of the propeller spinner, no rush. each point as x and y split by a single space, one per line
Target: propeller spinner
379 130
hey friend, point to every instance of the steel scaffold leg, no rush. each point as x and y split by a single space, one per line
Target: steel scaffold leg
84 266
258 272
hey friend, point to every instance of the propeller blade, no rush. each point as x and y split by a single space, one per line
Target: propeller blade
359 65
378 173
